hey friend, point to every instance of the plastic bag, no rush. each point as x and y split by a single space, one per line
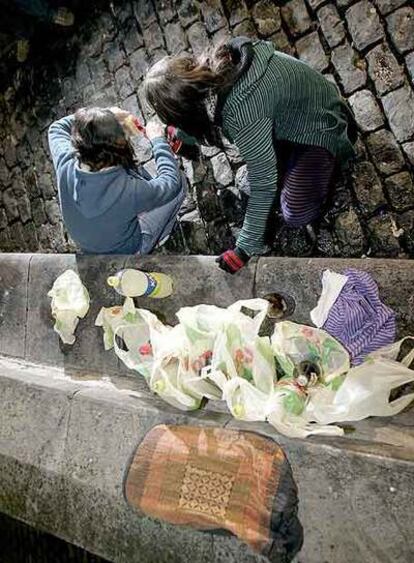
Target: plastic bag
294 344
70 302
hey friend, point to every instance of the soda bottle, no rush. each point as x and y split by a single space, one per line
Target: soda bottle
134 283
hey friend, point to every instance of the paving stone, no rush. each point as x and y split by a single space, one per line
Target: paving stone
139 64
197 37
310 51
349 232
144 12
384 70
221 36
409 151
3 219
237 11
10 205
213 15
401 28
53 212
30 237
364 24
366 110
296 17
331 24
153 36
166 11
23 204
368 187
124 82
382 239
131 105
385 152
267 18
222 170
281 42
405 221
350 67
245 29
175 38
399 109
187 11
132 38
17 238
409 61
314 4
142 148
38 212
400 189
241 180
387 6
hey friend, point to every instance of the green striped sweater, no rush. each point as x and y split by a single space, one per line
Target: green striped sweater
281 98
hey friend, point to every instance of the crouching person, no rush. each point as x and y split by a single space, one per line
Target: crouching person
110 204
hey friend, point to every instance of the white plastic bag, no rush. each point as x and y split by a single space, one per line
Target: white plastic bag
70 302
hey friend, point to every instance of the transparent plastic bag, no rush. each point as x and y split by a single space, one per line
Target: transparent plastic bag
70 302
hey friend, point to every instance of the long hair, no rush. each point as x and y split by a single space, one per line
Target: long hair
100 140
178 88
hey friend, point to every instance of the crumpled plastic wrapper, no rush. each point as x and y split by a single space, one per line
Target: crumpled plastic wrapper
70 302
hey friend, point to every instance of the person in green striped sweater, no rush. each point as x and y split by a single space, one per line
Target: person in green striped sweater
289 122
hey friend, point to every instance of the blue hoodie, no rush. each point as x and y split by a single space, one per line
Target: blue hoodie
100 208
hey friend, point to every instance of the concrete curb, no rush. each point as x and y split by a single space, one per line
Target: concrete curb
69 420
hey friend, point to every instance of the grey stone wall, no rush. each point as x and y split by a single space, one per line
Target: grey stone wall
366 47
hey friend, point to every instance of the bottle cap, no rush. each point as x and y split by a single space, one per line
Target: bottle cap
113 281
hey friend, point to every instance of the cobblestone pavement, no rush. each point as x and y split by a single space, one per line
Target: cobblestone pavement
366 47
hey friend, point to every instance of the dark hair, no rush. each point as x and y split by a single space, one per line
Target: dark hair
100 140
178 87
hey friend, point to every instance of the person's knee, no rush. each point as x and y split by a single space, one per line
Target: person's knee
293 218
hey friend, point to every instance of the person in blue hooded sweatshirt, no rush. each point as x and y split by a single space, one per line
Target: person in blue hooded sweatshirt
110 204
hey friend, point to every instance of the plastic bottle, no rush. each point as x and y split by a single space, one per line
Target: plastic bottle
134 283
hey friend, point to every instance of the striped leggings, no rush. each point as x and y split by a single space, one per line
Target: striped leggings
306 182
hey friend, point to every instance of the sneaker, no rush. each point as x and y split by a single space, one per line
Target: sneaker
64 17
22 52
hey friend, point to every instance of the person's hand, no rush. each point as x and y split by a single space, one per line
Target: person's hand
232 261
154 129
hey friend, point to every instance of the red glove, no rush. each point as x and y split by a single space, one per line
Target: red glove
232 261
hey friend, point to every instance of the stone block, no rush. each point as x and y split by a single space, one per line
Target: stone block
349 232
17 237
24 208
382 238
401 28
14 271
400 189
314 4
175 38
384 70
222 170
281 42
332 25
364 24
131 105
310 51
30 237
197 37
46 185
350 67
3 219
144 12
124 83
237 11
245 28
52 210
409 61
409 151
387 6
296 17
399 109
153 37
406 223
385 152
142 147
131 39
194 233
213 15
188 12
368 187
38 212
242 181
139 64
366 110
266 17
10 205
166 11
